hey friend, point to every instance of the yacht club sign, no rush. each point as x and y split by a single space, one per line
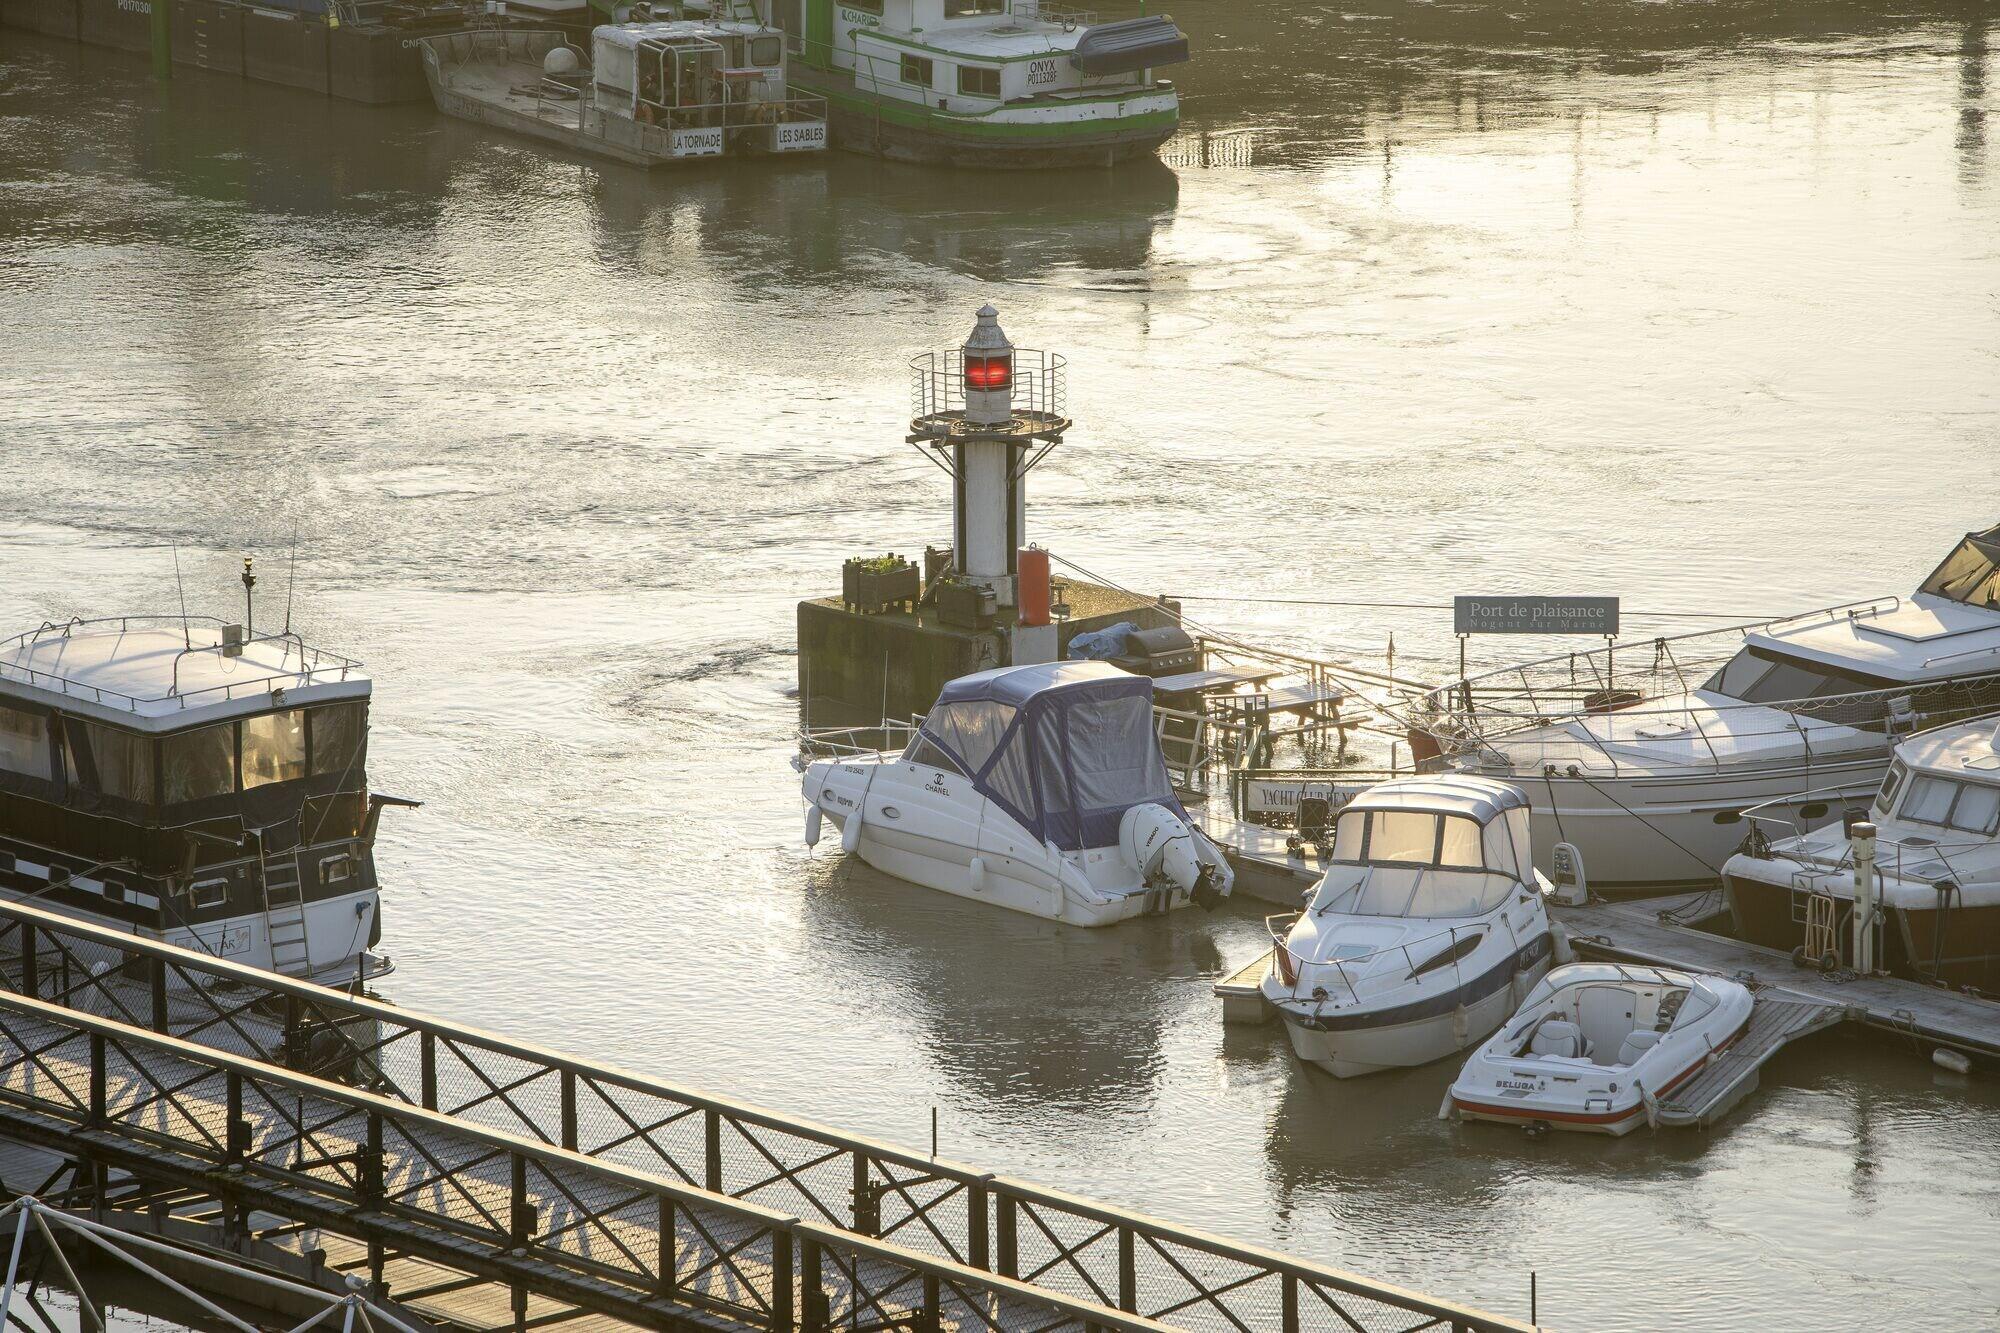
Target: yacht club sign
1535 615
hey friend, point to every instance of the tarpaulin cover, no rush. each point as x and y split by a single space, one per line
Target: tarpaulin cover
1101 645
1066 748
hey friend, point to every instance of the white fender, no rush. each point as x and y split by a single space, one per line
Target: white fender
977 874
812 826
850 836
1559 944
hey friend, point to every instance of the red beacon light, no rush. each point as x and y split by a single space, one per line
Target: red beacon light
989 372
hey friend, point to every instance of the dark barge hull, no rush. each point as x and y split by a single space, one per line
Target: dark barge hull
858 131
1959 946
363 62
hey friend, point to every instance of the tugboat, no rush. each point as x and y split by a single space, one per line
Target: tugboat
180 779
986 83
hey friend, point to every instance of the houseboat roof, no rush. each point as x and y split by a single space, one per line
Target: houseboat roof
1482 799
1964 747
630 35
159 673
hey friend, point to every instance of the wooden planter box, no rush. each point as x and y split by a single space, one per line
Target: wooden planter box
962 605
872 591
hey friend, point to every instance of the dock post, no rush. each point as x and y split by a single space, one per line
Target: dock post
163 50
781 1282
813 1314
97 1078
569 1109
156 976
31 961
1128 1273
428 1048
1003 1224
712 1137
978 1252
1289 1315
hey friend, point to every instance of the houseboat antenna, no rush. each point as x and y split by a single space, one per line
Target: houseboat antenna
249 610
181 583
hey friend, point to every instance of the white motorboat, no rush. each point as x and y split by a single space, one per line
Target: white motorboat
1936 856
1645 755
179 779
1425 931
1039 788
1598 1045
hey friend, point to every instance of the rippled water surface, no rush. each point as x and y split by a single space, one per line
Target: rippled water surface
1695 304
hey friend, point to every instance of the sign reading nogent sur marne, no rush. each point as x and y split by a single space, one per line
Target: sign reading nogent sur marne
1535 615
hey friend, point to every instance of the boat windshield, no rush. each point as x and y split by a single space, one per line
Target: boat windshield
1795 687
1447 841
1969 807
1970 574
1413 891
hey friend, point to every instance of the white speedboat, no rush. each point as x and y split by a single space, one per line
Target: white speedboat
1598 1045
1936 868
1426 930
1038 788
185 781
1645 755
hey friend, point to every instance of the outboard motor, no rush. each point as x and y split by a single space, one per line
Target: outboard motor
1156 844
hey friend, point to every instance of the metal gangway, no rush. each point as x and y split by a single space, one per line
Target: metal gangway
619 1194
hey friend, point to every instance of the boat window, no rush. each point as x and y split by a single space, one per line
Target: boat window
337 732
766 52
1970 807
1739 674
24 743
1051 783
1009 780
965 9
124 762
917 71
274 747
198 764
1347 835
1886 799
927 755
974 81
971 730
1519 829
1461 844
1402 835
1970 574
864 6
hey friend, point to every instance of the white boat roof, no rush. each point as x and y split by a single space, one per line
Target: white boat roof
1482 799
1921 638
1695 730
1971 748
147 674
629 35
1006 35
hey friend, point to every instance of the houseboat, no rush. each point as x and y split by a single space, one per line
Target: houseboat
175 778
985 83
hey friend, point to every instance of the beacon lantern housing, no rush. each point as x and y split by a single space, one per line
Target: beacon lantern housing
987 413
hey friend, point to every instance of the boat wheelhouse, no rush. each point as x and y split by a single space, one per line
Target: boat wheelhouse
649 94
1038 788
986 83
1425 931
1936 868
169 777
1646 755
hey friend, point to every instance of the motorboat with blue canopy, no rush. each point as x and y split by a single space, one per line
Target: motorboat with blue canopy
1037 787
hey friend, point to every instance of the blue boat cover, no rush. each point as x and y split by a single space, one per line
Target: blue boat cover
1066 748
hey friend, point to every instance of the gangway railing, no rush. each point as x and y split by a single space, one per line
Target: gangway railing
1071 1248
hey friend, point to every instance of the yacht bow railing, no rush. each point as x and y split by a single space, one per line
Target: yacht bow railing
1428 953
1894 857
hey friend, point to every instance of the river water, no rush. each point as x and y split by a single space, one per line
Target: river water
1699 305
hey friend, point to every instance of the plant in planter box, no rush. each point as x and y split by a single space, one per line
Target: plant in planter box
872 584
961 603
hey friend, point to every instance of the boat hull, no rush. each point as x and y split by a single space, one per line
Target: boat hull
1959 945
1017 888
1643 836
1351 1045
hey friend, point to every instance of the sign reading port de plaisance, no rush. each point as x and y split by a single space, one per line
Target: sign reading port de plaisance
1535 615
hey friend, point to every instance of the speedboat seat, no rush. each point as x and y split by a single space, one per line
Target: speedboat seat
1637 1045
1558 1036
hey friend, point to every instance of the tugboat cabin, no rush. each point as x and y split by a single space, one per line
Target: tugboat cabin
169 776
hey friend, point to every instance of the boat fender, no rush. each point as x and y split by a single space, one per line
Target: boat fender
1460 1026
850 837
976 874
1559 944
1955 1061
1447 1110
1650 1102
812 825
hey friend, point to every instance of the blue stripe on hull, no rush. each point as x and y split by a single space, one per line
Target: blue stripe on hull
1528 955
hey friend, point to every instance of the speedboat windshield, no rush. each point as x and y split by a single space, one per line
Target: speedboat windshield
1426 838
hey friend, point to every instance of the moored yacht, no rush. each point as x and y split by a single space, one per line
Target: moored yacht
1038 788
1645 755
1936 877
170 777
1425 931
